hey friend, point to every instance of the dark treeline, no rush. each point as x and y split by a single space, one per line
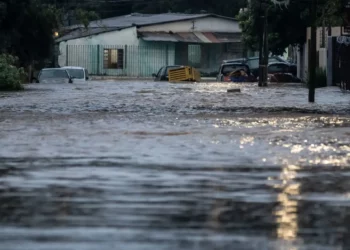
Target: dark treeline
110 8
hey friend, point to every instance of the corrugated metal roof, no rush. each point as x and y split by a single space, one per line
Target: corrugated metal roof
82 32
191 37
135 19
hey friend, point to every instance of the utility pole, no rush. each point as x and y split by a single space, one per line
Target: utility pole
312 59
263 46
323 42
266 49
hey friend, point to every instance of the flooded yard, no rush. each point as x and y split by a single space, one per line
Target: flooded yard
144 165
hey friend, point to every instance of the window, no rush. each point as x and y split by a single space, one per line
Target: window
160 72
76 73
226 69
253 63
278 68
113 58
53 73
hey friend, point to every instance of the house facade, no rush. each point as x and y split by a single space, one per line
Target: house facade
322 47
139 44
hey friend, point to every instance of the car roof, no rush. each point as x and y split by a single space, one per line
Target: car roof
252 58
234 63
236 59
52 69
285 63
72 67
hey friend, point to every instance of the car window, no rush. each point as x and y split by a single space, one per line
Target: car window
160 72
273 60
53 73
253 63
278 68
76 73
226 69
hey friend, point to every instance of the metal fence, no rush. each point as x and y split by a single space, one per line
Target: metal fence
143 61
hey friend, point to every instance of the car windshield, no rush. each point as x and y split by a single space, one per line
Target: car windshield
53 73
253 63
278 68
76 73
226 69
273 60
159 72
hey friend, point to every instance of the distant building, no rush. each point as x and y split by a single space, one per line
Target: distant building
139 44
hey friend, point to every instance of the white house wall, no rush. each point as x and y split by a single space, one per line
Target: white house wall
121 38
140 58
304 59
208 24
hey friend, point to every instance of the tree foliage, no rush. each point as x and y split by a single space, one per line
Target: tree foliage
221 7
26 29
286 25
111 8
10 75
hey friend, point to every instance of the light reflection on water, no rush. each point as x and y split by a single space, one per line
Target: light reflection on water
287 215
159 166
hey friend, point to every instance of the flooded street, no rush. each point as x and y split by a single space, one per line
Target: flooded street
144 165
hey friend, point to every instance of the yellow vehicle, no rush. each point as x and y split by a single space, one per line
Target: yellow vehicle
188 74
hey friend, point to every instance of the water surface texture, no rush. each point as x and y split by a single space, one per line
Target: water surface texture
143 165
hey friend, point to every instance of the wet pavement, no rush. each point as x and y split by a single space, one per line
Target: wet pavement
143 165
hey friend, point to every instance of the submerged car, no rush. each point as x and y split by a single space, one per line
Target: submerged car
54 75
163 73
79 74
238 72
253 63
281 72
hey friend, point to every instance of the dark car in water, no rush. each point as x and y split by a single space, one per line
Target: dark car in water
281 72
54 75
227 69
253 63
163 73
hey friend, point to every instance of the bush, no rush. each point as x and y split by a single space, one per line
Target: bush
320 78
10 76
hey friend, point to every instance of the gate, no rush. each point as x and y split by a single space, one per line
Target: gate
341 62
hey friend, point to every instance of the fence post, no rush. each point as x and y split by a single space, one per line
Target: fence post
98 60
330 62
167 55
125 59
67 55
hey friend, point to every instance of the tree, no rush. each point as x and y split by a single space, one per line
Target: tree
10 76
220 7
286 26
28 29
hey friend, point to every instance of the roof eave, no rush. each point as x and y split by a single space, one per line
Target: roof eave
59 40
186 19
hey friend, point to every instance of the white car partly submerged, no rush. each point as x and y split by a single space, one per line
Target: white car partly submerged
54 75
78 74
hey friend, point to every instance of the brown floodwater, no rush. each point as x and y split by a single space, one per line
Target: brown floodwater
144 165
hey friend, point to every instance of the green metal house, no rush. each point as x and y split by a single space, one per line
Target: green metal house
139 44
